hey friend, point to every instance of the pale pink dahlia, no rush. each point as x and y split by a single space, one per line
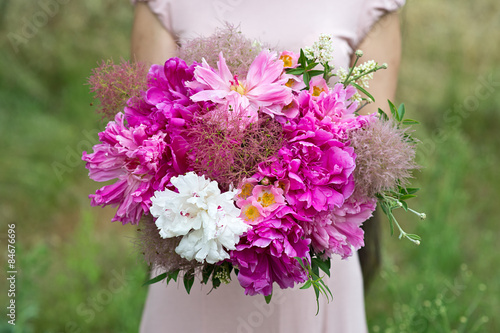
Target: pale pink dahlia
339 231
262 90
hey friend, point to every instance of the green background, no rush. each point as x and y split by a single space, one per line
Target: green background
77 272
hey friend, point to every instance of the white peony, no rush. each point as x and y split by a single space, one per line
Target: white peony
207 219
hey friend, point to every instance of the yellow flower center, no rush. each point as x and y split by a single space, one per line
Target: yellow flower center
281 184
246 191
250 213
289 83
287 60
316 91
238 88
267 199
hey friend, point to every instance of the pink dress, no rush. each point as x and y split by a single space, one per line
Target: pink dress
287 25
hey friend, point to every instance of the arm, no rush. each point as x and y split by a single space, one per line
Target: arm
383 44
151 42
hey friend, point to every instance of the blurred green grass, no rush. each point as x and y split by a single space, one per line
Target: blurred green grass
69 255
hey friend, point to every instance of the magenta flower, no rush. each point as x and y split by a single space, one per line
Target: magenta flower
166 103
263 89
132 157
266 254
318 166
167 107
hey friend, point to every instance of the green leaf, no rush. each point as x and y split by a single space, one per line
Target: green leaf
312 65
268 298
315 269
306 285
302 59
394 111
295 71
401 111
323 265
315 73
407 196
409 138
189 280
405 205
207 271
413 236
409 190
382 114
410 122
215 283
363 90
306 79
317 291
173 275
388 213
301 263
155 279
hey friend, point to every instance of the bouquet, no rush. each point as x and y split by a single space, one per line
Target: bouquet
236 158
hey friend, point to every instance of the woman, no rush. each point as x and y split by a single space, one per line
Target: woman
369 25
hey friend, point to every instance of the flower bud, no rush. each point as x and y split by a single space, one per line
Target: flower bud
265 181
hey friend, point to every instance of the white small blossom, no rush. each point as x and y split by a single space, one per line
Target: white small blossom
207 219
321 50
363 81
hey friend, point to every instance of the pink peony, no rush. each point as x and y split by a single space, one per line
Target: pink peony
318 166
131 156
265 254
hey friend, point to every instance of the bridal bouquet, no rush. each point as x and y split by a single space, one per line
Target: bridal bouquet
233 157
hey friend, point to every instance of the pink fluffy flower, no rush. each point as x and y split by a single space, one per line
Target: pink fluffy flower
132 157
266 254
263 89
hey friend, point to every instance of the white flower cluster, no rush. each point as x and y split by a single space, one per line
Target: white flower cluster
363 81
321 50
207 219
